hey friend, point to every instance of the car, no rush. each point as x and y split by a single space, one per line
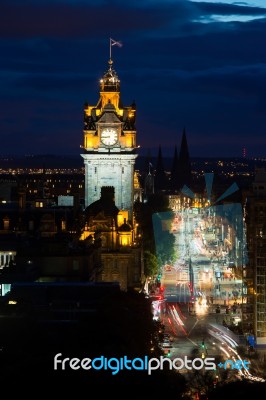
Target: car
235 320
166 345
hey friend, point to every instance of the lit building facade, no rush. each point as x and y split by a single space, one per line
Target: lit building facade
254 274
112 184
110 145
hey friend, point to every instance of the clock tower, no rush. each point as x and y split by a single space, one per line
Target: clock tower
110 145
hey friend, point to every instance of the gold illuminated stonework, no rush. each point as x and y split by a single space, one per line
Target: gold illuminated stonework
109 159
109 112
110 145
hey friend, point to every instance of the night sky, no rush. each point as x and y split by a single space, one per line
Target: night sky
198 65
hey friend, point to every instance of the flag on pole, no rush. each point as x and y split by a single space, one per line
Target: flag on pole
115 43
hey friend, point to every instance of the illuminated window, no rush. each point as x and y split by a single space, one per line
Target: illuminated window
63 225
124 241
6 221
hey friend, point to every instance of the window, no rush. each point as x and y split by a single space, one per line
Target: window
6 221
63 225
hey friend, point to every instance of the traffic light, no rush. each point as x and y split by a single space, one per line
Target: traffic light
203 349
158 280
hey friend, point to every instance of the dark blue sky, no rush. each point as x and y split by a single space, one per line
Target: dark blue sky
187 64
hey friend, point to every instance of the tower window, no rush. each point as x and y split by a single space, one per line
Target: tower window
6 223
95 170
122 170
63 225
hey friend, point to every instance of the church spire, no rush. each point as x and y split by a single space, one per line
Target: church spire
148 176
174 181
184 162
160 181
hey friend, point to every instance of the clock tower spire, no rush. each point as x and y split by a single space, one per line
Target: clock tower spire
110 144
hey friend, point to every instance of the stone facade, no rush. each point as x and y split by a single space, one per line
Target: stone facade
110 170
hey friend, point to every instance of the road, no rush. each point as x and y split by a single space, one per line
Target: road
202 295
203 336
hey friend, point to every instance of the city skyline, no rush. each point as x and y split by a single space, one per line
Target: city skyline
198 66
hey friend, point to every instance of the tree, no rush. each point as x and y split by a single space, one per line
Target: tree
165 249
201 383
150 263
164 239
156 240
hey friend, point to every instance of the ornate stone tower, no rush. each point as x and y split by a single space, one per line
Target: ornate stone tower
110 145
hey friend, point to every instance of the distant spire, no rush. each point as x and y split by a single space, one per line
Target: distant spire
148 166
184 162
184 153
149 176
174 171
160 181
159 165
149 185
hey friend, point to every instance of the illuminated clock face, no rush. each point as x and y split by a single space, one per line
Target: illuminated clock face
109 136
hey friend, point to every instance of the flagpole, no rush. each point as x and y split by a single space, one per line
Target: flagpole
113 43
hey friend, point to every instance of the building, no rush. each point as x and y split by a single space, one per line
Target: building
254 273
112 185
110 145
41 243
67 227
